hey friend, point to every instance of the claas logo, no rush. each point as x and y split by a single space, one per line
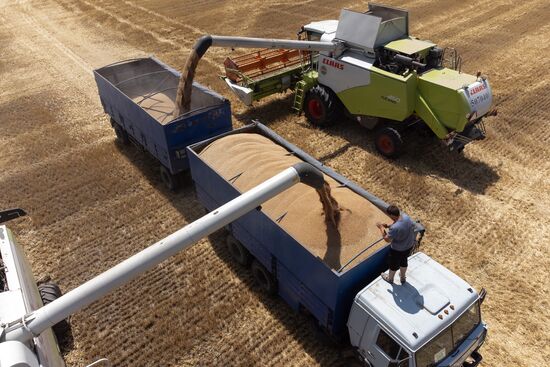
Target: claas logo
477 89
333 63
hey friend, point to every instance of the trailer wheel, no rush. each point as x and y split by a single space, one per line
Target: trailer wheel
264 278
321 106
388 142
49 292
121 134
238 251
170 181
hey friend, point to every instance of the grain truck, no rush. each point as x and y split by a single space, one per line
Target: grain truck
28 313
365 66
139 96
434 319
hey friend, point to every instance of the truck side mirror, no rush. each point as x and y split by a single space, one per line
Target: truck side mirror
482 295
6 215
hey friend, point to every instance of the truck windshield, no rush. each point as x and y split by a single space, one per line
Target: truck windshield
449 339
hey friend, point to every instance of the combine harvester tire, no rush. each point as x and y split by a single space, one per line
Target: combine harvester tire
321 107
388 142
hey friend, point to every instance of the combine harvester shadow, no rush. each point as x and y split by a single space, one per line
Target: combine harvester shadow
424 159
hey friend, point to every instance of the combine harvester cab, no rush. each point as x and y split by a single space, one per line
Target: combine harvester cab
378 75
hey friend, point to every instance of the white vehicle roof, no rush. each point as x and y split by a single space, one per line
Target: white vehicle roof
411 312
323 26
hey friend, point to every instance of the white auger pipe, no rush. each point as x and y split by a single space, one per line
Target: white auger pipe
36 322
250 42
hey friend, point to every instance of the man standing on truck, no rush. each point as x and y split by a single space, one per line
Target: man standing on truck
402 237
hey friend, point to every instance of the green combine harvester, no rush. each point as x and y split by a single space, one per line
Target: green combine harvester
365 66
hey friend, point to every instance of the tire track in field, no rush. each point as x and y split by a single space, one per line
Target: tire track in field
176 43
431 20
66 51
132 25
199 32
486 27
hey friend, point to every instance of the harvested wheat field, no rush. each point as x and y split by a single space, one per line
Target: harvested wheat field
92 203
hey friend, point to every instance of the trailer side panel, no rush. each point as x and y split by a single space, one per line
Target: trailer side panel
304 280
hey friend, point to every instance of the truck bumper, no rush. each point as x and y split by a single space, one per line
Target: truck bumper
468 353
474 360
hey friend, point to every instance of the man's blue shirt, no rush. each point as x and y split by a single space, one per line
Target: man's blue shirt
402 233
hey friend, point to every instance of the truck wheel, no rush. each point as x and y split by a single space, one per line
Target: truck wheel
121 134
238 251
170 181
321 106
264 278
388 142
49 292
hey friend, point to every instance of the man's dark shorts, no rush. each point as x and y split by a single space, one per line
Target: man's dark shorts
397 259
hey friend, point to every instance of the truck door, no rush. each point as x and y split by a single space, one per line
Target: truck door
384 351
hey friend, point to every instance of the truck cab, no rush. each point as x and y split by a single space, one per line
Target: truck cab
434 319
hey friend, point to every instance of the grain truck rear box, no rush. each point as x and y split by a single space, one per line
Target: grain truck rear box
304 280
139 95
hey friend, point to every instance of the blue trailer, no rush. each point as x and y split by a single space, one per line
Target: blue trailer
139 96
303 280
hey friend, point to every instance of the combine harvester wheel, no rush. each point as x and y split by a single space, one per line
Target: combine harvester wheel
321 106
388 142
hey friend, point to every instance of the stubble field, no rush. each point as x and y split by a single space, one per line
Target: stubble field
93 203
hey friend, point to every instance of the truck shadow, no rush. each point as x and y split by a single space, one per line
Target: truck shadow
300 326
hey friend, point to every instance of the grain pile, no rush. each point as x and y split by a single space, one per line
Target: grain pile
246 160
159 105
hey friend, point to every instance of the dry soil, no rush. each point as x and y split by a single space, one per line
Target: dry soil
93 203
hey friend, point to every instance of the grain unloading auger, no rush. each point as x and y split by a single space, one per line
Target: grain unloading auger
18 337
366 66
